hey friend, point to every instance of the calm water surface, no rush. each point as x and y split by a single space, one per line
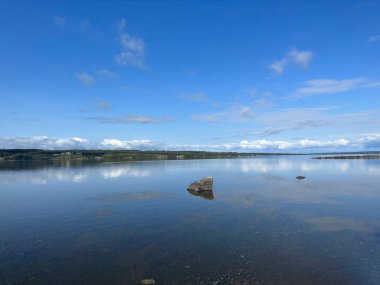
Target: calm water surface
118 223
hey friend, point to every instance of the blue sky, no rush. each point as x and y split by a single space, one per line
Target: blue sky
219 75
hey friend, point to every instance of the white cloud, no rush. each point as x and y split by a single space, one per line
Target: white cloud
133 49
237 113
286 145
85 78
323 117
329 86
246 112
371 142
131 144
278 66
128 119
373 38
300 58
328 119
202 147
59 21
269 132
44 142
293 56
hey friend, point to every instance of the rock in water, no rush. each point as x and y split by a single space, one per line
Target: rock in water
204 184
148 282
300 177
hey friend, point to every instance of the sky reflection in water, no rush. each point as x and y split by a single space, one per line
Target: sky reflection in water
118 223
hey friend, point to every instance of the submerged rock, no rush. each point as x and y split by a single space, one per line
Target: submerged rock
300 177
204 184
148 282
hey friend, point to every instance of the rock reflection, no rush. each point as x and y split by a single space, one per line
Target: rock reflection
209 195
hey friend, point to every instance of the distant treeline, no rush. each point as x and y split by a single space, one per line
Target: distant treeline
116 155
111 155
373 156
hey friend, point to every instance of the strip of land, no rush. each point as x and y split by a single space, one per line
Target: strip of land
112 155
349 157
136 155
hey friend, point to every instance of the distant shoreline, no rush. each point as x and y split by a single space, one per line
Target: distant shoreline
143 155
115 155
349 157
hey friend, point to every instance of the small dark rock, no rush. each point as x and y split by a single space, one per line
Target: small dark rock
204 184
300 177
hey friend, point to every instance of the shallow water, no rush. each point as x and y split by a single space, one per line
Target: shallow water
119 223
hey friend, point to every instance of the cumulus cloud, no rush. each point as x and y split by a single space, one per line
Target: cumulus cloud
293 56
131 144
371 142
128 119
133 49
286 145
203 147
44 142
59 21
85 78
299 57
373 38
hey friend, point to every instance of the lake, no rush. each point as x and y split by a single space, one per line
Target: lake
119 223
